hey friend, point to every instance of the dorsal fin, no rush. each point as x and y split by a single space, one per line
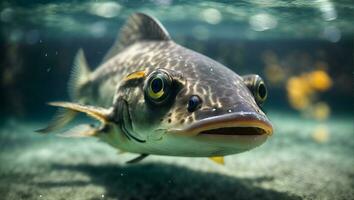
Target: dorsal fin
139 26
79 75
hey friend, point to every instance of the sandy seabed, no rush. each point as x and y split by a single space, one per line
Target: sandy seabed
291 165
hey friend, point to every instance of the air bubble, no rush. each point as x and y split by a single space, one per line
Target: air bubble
211 15
229 111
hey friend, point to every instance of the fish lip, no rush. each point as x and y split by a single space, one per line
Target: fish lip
236 121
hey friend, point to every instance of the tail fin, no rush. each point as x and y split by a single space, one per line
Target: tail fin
79 75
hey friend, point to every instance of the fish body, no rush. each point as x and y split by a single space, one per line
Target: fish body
153 96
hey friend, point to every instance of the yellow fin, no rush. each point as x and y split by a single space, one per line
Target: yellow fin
98 113
218 159
135 75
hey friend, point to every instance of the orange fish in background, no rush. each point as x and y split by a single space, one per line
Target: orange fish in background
319 80
299 92
302 91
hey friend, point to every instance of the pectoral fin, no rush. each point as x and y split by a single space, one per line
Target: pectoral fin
137 159
218 159
70 110
98 113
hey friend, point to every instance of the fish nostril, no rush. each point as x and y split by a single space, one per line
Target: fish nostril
194 103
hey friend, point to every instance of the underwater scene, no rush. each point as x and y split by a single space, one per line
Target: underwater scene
176 99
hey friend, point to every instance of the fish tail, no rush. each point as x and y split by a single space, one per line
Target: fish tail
79 76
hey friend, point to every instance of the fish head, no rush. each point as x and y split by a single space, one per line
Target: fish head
198 103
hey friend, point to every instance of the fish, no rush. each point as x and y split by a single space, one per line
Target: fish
303 89
152 96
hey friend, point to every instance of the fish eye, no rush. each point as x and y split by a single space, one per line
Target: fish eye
261 93
194 103
257 87
158 87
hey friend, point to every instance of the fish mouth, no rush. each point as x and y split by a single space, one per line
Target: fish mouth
241 124
234 131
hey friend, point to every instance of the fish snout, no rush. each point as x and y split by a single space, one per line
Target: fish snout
238 120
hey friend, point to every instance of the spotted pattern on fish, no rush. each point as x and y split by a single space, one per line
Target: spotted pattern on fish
206 78
208 109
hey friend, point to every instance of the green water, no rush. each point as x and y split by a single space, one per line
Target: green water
237 19
306 158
